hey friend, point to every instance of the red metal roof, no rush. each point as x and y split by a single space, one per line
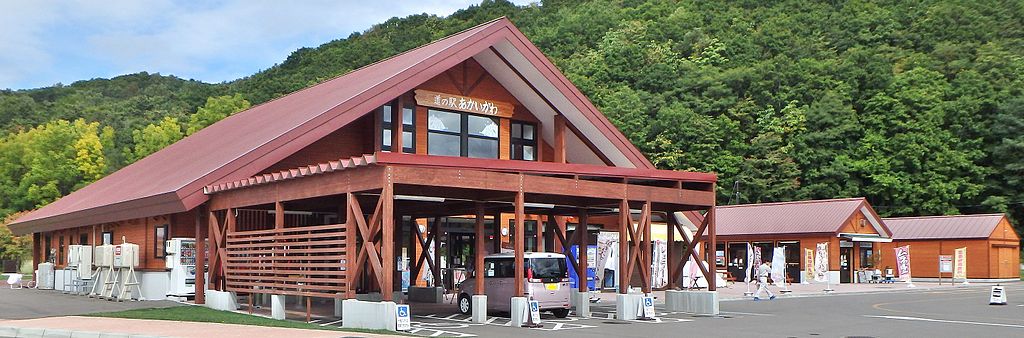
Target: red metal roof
817 216
240 146
943 227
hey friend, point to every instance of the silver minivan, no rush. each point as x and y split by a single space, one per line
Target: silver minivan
547 282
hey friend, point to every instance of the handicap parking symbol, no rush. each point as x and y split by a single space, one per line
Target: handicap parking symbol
648 302
403 311
535 306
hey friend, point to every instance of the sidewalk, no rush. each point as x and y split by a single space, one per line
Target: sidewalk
736 290
93 326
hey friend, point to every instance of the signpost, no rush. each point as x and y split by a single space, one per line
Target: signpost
945 266
402 321
533 317
647 308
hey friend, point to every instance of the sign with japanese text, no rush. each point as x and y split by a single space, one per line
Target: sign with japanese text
535 311
648 307
945 263
821 263
903 261
462 103
808 264
960 263
402 321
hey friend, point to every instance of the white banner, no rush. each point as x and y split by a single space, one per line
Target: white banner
607 246
659 264
903 261
960 263
821 263
779 266
750 264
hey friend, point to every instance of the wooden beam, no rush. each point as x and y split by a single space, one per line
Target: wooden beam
435 234
497 232
387 214
351 232
581 242
673 253
713 246
200 292
645 267
559 141
278 215
624 224
478 251
397 125
518 290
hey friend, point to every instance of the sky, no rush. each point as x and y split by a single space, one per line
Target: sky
44 42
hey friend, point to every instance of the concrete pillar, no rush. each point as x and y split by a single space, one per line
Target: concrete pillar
518 311
479 308
581 303
677 300
277 307
626 305
338 307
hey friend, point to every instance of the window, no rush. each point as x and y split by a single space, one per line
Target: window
108 237
524 141
408 127
159 242
459 134
499 268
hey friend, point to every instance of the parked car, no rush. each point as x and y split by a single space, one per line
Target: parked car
546 281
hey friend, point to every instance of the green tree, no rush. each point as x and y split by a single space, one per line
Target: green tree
154 137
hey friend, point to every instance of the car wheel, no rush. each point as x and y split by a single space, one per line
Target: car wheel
465 305
560 313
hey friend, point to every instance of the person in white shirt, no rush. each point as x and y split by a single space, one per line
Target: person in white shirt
763 271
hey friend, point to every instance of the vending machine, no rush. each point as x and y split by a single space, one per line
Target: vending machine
181 260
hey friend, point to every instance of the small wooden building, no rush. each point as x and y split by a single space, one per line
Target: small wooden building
993 247
359 169
850 226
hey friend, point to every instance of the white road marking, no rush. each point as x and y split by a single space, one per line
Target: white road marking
747 313
948 321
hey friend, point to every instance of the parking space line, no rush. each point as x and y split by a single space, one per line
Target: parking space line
331 323
948 321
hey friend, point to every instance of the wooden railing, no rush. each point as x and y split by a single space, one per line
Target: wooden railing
305 261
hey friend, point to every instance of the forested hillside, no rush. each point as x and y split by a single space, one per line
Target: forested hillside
916 105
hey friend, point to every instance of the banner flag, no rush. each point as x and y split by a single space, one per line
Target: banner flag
808 264
821 263
779 266
960 263
903 261
750 263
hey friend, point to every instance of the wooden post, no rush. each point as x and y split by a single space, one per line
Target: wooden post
478 251
278 215
497 232
414 255
396 127
213 229
645 266
624 221
387 250
200 258
559 141
673 253
581 252
351 232
539 232
520 235
713 246
435 267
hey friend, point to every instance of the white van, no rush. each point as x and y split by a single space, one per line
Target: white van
546 281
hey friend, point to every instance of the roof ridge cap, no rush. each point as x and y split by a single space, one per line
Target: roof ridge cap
794 202
944 216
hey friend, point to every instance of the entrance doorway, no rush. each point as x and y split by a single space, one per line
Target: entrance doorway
845 271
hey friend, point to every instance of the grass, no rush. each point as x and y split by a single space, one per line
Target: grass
207 315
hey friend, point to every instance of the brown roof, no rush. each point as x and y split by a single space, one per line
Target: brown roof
240 146
936 227
817 216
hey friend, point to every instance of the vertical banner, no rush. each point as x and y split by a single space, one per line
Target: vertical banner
903 262
821 263
808 264
779 266
750 263
960 263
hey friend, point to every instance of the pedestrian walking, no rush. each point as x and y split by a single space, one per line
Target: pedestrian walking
763 272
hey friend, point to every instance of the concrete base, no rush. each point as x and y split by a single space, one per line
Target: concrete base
221 300
479 308
581 303
426 294
678 301
370 297
626 305
338 308
518 311
369 315
277 307
704 303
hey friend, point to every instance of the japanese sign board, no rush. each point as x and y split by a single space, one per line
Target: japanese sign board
648 307
903 261
808 264
535 311
463 103
945 263
960 263
821 263
402 321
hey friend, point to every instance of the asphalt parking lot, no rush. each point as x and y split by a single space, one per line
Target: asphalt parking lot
960 312
32 303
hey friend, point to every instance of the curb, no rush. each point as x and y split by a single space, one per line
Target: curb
901 290
33 332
